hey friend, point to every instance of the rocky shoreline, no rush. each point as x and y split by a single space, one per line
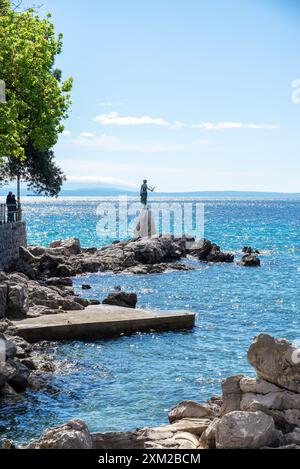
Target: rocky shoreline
66 258
251 413
40 283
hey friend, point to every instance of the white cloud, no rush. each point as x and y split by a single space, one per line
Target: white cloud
115 144
67 133
178 125
101 180
87 134
110 104
233 125
114 118
296 92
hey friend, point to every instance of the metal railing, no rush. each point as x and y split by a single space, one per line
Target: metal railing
10 214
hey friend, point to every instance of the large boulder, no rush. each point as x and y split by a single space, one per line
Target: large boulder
241 430
14 375
27 256
59 282
37 251
50 262
192 409
210 252
156 250
276 361
257 386
64 270
250 260
72 435
88 264
19 380
282 400
121 298
231 394
70 246
208 437
52 299
17 296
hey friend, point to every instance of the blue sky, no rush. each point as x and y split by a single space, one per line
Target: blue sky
193 95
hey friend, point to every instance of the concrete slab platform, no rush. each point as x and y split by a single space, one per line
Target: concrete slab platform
101 321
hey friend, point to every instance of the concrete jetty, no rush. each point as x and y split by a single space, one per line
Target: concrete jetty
101 321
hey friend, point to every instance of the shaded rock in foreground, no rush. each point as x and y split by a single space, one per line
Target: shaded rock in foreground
251 430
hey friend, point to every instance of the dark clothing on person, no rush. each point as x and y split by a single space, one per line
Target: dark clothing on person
12 207
9 199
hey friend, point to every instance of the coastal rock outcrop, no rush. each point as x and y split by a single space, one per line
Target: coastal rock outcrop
66 258
21 297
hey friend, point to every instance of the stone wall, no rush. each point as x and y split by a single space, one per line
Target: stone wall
12 236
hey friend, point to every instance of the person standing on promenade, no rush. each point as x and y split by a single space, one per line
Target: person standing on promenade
9 206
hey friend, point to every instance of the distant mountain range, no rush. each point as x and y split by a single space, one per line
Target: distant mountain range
115 192
109 191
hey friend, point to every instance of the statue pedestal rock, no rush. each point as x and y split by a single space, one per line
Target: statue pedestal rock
146 225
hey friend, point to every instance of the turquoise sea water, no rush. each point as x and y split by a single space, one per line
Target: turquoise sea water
132 381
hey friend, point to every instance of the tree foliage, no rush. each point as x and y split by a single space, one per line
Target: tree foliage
36 101
38 170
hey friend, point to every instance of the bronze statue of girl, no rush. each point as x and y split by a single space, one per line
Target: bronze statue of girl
144 192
